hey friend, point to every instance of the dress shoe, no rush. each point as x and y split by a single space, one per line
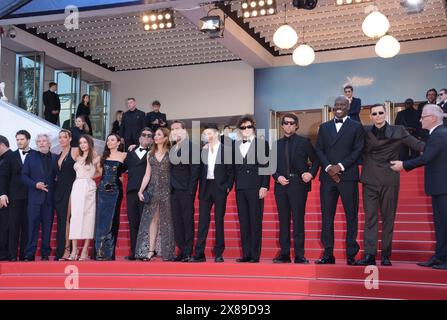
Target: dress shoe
4 258
301 260
326 260
219 259
430 263
440 266
130 258
186 259
351 262
12 259
254 261
282 259
27 259
368 260
178 258
386 262
198 259
45 258
245 259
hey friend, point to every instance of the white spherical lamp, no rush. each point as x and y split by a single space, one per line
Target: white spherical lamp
285 37
375 25
303 55
387 47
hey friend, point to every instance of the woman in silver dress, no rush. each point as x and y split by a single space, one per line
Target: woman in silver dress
156 233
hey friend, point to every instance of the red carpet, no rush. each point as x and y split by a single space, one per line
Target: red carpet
413 241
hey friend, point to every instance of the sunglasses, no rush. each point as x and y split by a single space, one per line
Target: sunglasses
376 113
246 127
288 123
147 135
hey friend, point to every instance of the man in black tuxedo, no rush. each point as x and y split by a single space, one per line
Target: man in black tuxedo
155 119
251 154
52 104
381 184
339 146
185 173
136 162
39 175
355 104
14 195
431 95
132 124
434 159
442 102
217 177
297 165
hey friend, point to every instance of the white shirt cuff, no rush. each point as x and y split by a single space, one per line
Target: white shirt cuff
341 166
327 167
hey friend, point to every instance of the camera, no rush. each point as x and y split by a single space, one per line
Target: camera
11 33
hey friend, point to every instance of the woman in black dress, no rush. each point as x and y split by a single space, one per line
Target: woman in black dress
78 131
66 175
84 110
117 123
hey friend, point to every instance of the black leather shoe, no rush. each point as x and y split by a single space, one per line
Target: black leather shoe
246 259
198 259
430 263
282 259
301 260
4 258
351 262
326 260
186 259
386 262
219 259
130 258
368 260
27 259
440 266
254 261
12 259
178 258
45 258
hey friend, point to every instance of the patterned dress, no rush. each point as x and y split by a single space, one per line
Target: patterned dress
160 200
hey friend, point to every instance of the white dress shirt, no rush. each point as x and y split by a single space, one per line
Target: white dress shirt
23 156
212 157
338 125
243 147
140 153
433 129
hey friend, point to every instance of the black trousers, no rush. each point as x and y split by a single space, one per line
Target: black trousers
53 118
329 194
4 228
383 198
250 211
182 206
18 228
61 207
291 200
439 203
39 215
218 198
134 212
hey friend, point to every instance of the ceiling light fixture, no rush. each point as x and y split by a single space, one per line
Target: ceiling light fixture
257 8
304 54
158 20
305 4
214 26
285 37
376 24
387 47
413 6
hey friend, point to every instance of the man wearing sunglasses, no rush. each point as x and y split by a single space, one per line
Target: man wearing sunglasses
293 181
251 187
383 143
136 162
339 146
442 102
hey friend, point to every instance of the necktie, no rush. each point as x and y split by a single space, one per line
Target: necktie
338 120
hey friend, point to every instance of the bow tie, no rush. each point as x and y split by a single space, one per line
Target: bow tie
25 152
244 141
338 120
143 149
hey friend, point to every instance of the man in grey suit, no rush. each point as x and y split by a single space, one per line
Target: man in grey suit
381 184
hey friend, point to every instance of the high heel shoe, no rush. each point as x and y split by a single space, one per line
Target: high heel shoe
150 257
84 257
66 254
73 257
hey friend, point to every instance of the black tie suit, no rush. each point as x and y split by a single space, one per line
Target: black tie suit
294 154
345 147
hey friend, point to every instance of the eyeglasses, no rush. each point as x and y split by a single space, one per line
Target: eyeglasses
376 113
246 127
422 117
147 135
291 123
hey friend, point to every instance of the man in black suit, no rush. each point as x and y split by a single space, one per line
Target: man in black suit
136 162
217 177
39 175
434 159
155 119
442 102
4 150
431 95
132 124
185 174
251 154
14 195
293 178
52 104
355 104
339 146
381 184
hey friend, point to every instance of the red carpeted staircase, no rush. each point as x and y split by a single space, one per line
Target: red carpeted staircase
413 241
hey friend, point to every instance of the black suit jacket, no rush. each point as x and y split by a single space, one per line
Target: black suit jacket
434 159
152 116
355 108
303 158
246 170
443 106
131 125
343 147
11 176
377 155
51 102
184 173
223 173
136 168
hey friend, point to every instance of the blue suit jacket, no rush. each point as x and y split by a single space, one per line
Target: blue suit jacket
33 172
355 108
434 159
